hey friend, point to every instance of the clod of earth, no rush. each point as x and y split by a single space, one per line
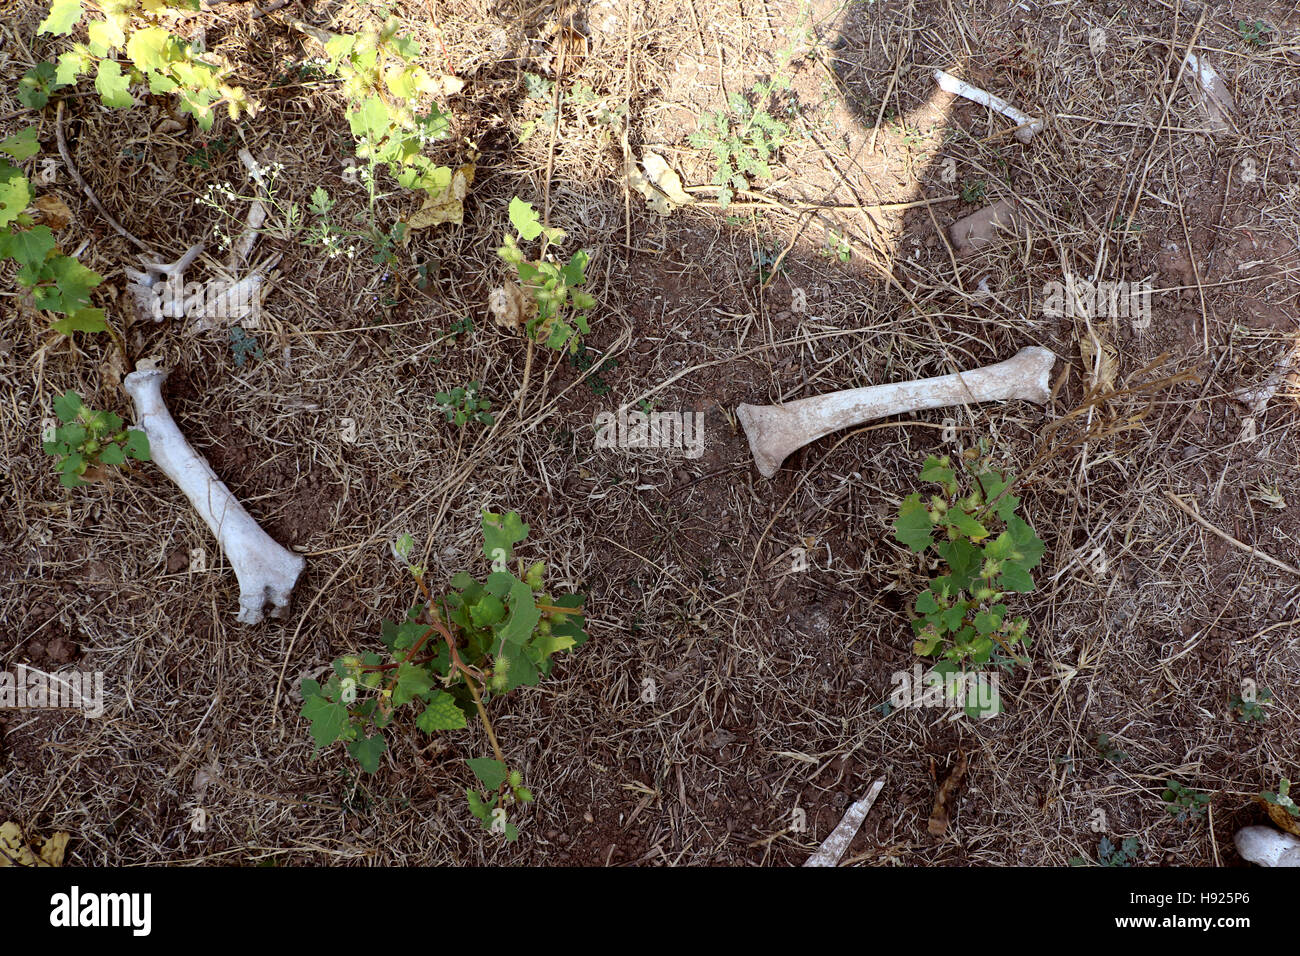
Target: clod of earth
1268 847
266 572
775 431
1026 125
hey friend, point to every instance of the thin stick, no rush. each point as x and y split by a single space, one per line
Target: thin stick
85 186
1254 552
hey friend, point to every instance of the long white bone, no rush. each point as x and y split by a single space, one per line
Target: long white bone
1026 125
775 431
266 571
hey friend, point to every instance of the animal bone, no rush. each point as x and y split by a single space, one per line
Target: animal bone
1215 99
1027 125
774 431
1268 847
971 233
833 847
266 571
141 284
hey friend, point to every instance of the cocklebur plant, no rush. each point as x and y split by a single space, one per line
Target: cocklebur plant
987 552
547 303
87 440
448 659
58 283
153 56
392 112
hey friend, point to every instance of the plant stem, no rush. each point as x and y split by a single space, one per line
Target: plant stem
460 666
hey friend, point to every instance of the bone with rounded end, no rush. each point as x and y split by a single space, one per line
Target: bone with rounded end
266 571
1026 125
774 431
1268 847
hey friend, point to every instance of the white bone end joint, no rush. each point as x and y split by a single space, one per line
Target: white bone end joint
266 571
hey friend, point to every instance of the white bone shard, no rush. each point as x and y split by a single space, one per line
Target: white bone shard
1026 125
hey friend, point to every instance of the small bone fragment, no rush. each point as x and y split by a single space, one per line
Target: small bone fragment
243 246
972 232
1027 125
1268 847
1217 101
833 847
266 571
775 431
1257 397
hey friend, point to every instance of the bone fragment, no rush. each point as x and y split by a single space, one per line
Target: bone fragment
1217 101
829 853
971 233
1268 847
266 571
775 431
1027 125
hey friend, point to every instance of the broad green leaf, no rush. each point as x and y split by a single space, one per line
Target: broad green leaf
491 773
914 527
524 615
59 21
151 48
522 672
367 752
1015 578
524 218
963 560
412 681
71 65
112 454
114 88
370 121
68 406
965 524
15 195
137 445
36 85
22 145
441 714
73 283
487 611
328 719
549 644
83 320
29 249
938 471
501 532
1028 544
105 36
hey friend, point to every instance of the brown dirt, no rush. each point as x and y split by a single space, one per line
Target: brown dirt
768 684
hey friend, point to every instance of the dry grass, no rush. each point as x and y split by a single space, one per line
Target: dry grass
769 683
